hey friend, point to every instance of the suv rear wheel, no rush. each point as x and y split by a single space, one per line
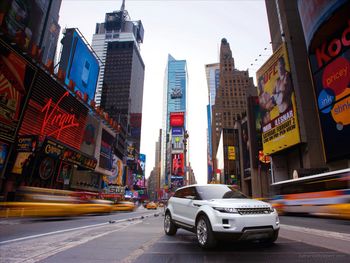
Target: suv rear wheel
204 233
169 227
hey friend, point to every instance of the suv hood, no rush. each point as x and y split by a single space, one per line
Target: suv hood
237 203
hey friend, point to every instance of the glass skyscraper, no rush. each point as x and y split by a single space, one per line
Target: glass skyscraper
212 72
174 159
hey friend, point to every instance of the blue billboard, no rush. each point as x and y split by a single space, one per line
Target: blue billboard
176 131
79 63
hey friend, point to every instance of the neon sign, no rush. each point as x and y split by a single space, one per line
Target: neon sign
56 117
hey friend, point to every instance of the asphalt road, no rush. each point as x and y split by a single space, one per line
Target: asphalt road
114 239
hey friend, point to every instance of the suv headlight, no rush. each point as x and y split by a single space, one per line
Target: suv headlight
226 210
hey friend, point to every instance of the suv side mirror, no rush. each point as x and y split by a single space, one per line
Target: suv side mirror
190 197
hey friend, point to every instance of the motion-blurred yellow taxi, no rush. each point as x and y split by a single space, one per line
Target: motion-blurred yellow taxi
151 205
123 206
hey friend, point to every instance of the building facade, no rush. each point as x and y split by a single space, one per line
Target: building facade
316 140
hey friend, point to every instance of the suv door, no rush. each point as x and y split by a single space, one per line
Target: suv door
187 209
175 202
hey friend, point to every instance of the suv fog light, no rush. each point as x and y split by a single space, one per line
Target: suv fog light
277 220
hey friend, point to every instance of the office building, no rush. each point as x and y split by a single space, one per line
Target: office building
174 134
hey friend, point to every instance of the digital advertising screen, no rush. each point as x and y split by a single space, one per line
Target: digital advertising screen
330 64
177 119
280 128
106 150
178 168
79 63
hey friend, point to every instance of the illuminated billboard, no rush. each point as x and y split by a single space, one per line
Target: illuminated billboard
231 153
23 18
178 164
277 103
106 151
177 131
16 77
176 119
329 56
54 112
79 63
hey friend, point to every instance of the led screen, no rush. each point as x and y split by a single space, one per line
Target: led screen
79 63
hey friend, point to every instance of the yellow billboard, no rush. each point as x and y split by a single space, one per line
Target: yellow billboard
231 153
280 127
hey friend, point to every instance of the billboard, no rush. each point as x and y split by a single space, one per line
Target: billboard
178 168
176 131
16 77
54 112
329 56
4 147
280 128
25 19
177 119
89 135
117 171
231 153
106 150
79 63
315 12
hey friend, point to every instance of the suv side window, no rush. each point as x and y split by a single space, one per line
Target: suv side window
179 193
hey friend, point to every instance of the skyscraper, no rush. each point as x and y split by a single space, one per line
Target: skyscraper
231 95
117 27
174 147
120 85
213 77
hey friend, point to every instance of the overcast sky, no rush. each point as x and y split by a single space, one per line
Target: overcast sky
187 29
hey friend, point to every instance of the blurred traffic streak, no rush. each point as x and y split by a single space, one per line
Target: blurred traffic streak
42 202
326 194
123 206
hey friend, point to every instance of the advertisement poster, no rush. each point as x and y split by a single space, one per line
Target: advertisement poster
178 164
65 173
15 79
23 17
106 150
331 73
280 127
245 148
90 133
3 154
21 159
117 171
231 153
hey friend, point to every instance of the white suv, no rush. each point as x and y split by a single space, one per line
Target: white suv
217 211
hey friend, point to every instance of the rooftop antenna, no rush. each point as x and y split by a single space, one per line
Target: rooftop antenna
123 6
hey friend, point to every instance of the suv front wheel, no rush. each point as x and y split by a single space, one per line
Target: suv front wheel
169 227
204 233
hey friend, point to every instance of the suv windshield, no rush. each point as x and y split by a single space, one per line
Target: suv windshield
218 192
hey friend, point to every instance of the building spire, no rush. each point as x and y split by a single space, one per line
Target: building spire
123 6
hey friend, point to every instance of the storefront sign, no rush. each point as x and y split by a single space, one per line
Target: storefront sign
57 150
57 118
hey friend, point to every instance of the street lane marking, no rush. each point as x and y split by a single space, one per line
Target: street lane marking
322 233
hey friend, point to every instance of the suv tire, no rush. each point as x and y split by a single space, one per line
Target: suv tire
169 227
205 236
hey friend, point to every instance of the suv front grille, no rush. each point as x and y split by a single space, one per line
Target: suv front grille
253 211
